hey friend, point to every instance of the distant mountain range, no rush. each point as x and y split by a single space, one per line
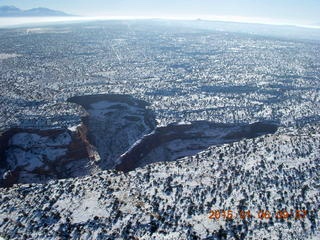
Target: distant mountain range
12 11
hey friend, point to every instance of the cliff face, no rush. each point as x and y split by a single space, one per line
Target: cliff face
32 155
176 141
114 123
118 132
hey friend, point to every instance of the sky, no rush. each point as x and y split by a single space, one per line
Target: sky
273 11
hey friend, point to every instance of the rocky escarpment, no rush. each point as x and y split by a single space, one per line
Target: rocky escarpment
114 123
180 140
118 132
33 155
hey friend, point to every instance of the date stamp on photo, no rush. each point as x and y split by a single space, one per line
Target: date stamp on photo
298 214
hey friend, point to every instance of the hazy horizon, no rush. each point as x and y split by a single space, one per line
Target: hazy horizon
284 12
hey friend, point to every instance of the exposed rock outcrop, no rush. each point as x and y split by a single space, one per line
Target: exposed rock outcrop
119 132
180 140
33 155
114 123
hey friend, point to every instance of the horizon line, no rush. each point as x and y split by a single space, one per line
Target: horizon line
228 19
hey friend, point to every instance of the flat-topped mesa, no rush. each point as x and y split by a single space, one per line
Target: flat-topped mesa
180 140
114 123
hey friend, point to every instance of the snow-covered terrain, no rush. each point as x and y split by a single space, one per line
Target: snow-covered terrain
250 167
172 200
178 115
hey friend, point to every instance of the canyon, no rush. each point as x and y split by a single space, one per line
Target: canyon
118 132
